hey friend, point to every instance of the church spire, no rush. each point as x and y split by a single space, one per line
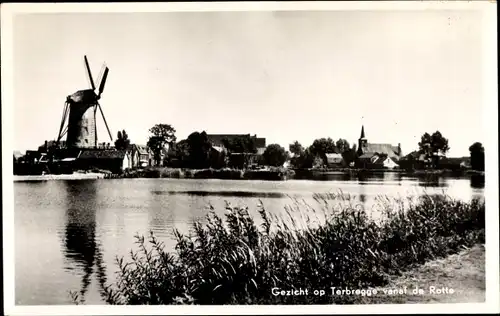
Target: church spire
362 132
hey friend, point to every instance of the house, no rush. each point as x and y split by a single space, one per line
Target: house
50 144
318 162
369 154
384 162
334 160
218 140
414 160
18 156
140 156
376 161
217 157
32 156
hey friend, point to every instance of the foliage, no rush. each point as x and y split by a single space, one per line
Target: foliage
161 135
196 152
122 142
305 160
342 145
240 144
322 146
432 145
180 151
350 155
296 149
274 155
477 156
234 261
199 150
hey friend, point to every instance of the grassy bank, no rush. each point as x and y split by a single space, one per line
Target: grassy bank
463 272
232 260
226 173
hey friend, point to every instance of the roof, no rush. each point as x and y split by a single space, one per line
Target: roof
142 149
415 155
217 148
216 139
102 154
17 154
331 157
380 160
260 142
68 159
388 149
367 156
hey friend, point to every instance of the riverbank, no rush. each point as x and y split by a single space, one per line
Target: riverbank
278 173
272 173
73 176
233 260
231 174
440 172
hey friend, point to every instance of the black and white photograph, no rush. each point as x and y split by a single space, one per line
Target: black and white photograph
250 157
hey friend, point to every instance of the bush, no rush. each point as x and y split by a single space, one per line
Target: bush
234 261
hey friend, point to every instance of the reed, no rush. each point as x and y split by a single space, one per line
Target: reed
232 260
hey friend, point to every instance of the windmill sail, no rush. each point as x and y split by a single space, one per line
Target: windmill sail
82 107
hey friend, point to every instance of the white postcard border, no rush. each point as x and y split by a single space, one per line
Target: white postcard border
490 112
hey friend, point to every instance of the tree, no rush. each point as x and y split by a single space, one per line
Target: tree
477 156
432 145
321 147
350 155
180 151
122 142
296 148
161 135
199 150
305 160
240 144
342 145
274 155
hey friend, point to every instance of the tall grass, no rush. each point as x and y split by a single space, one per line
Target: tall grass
232 260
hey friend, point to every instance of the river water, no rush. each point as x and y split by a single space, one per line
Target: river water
69 232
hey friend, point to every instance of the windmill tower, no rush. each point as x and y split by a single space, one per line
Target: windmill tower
79 120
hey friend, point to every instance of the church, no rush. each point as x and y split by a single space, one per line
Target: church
371 155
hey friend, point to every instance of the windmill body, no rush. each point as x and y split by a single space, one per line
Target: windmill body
82 120
79 121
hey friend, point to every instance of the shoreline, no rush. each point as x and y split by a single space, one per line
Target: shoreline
47 177
273 174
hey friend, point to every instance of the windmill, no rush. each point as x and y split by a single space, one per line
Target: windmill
79 119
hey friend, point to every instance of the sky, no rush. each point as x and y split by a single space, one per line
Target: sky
283 75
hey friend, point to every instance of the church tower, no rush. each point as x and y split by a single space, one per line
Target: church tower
362 141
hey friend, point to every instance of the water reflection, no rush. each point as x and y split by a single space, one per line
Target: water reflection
223 193
477 181
364 176
431 181
80 244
